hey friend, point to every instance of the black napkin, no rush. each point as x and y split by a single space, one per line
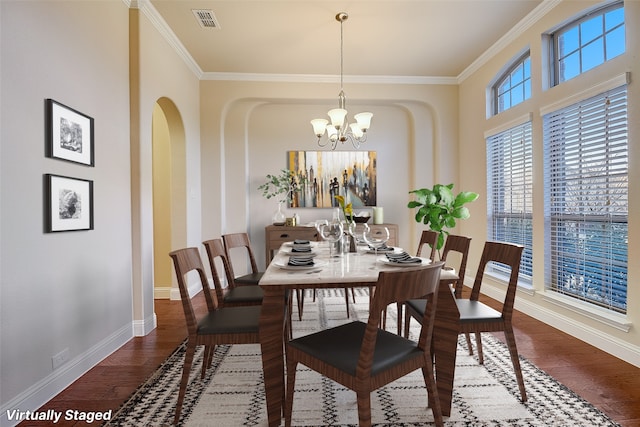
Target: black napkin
300 262
403 258
383 248
300 245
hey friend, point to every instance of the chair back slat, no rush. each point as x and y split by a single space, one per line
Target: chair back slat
239 240
508 254
460 244
398 286
428 237
187 260
215 249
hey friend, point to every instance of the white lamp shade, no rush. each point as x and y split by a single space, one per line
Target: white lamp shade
356 131
332 133
364 120
337 116
319 125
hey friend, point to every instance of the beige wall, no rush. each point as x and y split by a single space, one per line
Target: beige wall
249 127
162 202
604 333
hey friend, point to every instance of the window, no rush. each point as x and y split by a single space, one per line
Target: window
588 42
514 86
510 192
586 203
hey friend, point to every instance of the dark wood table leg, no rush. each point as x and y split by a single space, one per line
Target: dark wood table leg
272 320
445 337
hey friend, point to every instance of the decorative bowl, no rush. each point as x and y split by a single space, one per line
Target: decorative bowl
361 219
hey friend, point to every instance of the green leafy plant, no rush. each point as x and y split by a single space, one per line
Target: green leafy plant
440 209
281 186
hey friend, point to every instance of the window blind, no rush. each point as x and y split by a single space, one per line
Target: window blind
510 192
586 199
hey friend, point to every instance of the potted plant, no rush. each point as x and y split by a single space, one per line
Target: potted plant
440 209
282 186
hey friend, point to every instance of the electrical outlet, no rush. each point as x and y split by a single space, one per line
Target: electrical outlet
60 359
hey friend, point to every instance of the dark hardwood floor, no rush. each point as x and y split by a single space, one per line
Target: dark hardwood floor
608 383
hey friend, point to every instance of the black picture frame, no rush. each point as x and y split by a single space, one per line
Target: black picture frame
68 203
69 134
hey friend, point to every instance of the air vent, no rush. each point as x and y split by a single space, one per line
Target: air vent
206 18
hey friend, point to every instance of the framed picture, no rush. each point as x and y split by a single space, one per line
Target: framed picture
68 204
320 175
69 134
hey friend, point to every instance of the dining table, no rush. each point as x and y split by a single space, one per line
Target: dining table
348 270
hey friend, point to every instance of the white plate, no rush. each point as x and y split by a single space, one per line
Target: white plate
290 253
385 261
286 266
396 250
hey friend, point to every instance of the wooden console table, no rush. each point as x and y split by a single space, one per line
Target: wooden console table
276 235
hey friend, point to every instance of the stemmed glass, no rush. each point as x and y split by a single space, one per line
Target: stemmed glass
331 232
376 238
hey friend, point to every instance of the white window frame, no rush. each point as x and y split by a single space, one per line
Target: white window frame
523 85
554 40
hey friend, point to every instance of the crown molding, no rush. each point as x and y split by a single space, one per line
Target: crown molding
522 26
163 28
325 78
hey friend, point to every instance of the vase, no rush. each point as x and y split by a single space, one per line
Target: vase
279 217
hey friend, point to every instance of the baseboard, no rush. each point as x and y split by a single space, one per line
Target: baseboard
162 292
597 338
44 390
143 327
194 288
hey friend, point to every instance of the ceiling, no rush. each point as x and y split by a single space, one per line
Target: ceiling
392 38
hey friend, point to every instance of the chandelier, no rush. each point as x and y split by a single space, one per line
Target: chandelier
339 128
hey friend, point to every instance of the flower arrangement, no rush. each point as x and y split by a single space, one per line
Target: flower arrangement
347 210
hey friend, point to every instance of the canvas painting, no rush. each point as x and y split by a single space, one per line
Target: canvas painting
320 175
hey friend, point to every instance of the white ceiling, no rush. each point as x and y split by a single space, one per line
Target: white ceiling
391 38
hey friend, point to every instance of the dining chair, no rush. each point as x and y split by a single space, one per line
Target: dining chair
232 295
454 243
363 357
477 317
220 325
238 242
428 237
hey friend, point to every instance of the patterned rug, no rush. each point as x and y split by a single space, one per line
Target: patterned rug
232 393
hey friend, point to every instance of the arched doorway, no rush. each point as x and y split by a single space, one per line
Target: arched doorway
169 190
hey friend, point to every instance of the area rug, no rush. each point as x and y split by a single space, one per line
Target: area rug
232 393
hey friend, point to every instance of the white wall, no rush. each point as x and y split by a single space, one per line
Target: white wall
71 290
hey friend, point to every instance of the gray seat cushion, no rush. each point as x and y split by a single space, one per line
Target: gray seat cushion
340 347
240 294
231 320
249 279
475 310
